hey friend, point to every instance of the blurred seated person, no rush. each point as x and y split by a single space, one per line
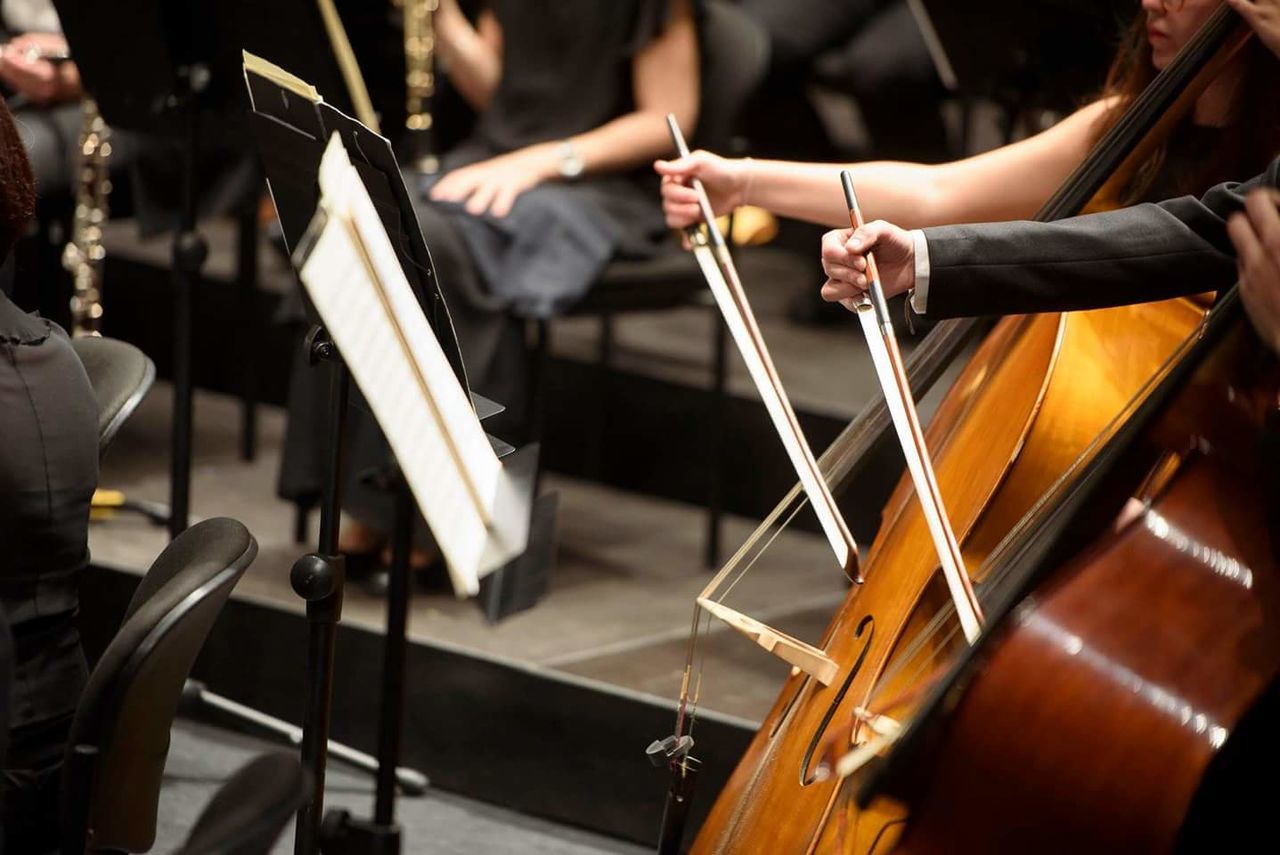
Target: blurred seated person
43 91
870 49
48 471
550 187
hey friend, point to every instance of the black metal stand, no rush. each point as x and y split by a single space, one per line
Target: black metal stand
198 700
381 835
318 578
391 727
251 332
189 253
505 591
290 166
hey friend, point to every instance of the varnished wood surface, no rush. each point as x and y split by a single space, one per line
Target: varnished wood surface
1092 719
1026 405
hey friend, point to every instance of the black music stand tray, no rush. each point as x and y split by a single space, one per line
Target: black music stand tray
292 131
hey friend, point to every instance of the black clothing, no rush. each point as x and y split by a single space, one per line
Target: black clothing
48 472
1147 252
566 70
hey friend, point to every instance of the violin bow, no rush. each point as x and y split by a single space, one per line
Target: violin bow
712 253
873 313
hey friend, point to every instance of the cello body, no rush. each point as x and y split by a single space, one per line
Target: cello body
1028 407
1128 703
1029 402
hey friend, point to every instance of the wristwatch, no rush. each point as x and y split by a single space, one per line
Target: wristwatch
571 163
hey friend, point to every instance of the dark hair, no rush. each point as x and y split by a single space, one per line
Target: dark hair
17 186
1249 141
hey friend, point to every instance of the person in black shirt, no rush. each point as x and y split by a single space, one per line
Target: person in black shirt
48 472
550 187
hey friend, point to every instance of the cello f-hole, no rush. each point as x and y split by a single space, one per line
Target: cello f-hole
866 625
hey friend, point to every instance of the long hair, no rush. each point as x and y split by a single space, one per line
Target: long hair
17 186
1249 141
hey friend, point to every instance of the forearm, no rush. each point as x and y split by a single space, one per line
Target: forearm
625 143
469 56
901 193
1008 183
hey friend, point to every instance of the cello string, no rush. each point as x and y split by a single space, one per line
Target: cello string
696 688
760 551
701 633
999 570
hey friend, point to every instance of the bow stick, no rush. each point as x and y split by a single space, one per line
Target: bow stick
873 312
712 253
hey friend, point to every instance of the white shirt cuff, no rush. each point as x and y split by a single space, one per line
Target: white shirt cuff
920 293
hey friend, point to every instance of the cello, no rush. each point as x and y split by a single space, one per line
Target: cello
1016 418
1124 698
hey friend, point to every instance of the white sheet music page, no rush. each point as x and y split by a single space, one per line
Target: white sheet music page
372 315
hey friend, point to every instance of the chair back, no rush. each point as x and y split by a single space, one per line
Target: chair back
247 814
120 374
735 59
119 737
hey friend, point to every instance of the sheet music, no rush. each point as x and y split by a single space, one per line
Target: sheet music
737 313
359 289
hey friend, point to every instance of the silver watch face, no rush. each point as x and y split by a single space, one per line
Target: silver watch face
571 165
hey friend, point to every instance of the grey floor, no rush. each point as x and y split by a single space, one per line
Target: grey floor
201 758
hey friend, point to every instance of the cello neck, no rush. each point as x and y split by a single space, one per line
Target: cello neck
1150 118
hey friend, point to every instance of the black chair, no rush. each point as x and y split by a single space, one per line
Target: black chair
247 814
119 738
121 376
735 58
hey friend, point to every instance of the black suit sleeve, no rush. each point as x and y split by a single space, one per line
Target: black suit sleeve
1147 252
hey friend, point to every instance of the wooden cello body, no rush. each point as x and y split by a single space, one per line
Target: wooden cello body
1030 402
1016 418
1128 702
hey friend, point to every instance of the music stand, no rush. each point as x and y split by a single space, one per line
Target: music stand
293 127
180 73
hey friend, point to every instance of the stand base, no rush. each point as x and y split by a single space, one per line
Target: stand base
342 834
107 503
198 701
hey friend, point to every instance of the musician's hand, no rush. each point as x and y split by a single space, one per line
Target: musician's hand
492 186
1256 235
723 180
1264 17
845 261
23 69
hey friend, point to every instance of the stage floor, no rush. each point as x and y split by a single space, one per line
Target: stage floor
622 589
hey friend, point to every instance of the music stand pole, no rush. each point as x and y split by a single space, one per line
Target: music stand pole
391 726
189 253
380 835
318 578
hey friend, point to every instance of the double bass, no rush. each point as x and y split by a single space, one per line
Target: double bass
1017 417
1124 698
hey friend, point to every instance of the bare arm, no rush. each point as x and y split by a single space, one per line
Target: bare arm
666 81
1005 184
471 56
665 75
